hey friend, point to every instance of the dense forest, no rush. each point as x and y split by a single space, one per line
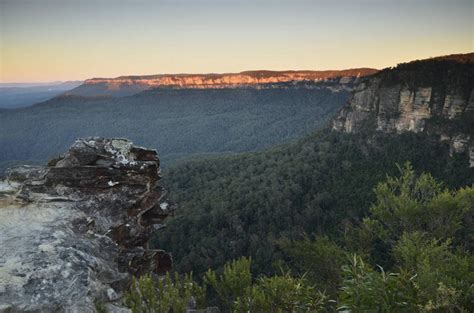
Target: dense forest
454 72
410 251
322 185
179 123
361 222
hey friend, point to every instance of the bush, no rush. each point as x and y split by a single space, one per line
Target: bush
232 283
319 261
280 294
163 295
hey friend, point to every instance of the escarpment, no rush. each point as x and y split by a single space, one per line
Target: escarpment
128 85
76 231
433 96
231 79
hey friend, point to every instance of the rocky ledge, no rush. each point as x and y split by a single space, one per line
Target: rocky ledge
75 232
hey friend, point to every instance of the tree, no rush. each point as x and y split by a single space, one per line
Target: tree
411 203
444 279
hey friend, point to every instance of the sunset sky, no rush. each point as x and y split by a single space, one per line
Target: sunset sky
51 40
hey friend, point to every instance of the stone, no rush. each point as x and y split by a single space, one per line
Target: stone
454 105
460 143
397 101
76 231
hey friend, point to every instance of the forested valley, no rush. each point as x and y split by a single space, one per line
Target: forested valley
179 123
407 249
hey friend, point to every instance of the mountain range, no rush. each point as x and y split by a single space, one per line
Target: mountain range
181 115
129 85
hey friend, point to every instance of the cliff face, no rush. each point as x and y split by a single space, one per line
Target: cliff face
76 230
127 85
433 96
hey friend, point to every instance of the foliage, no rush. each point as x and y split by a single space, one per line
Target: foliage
445 74
235 288
444 279
365 289
319 260
232 283
162 295
280 294
430 278
415 218
322 185
427 270
237 291
408 203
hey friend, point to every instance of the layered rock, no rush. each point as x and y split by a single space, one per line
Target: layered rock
76 231
434 96
127 85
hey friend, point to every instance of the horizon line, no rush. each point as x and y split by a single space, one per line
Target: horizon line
188 73
230 72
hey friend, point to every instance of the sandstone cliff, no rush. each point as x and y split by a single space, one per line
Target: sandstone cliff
128 85
75 231
433 96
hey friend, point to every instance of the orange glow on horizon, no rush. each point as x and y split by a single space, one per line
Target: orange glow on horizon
50 40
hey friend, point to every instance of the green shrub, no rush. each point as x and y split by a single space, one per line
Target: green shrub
280 294
163 295
319 260
235 279
367 290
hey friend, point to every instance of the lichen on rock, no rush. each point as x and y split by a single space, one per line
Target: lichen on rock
76 231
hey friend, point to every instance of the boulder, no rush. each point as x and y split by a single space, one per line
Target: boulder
76 231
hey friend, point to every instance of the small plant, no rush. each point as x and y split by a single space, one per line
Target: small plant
100 307
282 293
165 294
232 283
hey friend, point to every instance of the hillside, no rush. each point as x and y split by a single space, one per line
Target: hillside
323 184
178 123
129 85
242 205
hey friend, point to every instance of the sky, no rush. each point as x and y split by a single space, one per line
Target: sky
59 40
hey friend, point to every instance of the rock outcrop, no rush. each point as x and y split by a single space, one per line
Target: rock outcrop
128 85
76 231
433 96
